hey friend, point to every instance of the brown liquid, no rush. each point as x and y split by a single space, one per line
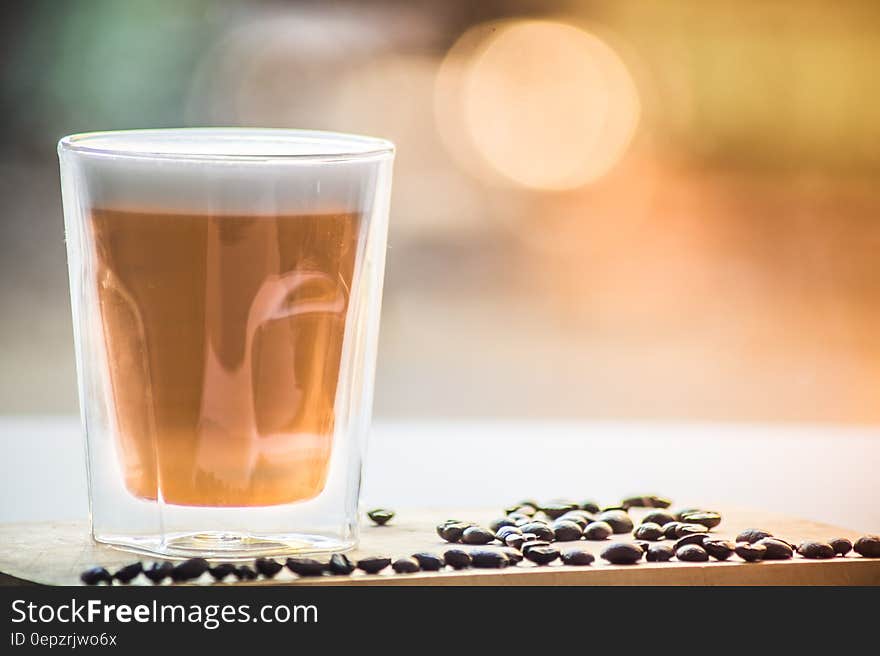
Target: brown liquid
224 339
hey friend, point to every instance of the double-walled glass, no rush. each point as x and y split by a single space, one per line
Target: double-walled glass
226 287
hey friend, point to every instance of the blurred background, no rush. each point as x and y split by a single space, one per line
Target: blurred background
602 209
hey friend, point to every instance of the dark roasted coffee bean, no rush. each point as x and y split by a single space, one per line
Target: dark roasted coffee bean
374 564
646 501
502 522
513 555
381 516
659 553
556 510
518 517
542 555
590 506
129 572
477 535
670 530
577 557
618 520
541 530
692 553
428 561
221 571
457 558
524 509
96 575
489 559
719 549
565 531
660 517
692 538
268 567
190 569
815 550
707 518
649 531
579 517
622 553
525 503
642 544
686 511
515 541
532 544
690 529
405 565
452 531
752 535
841 546
776 549
749 552
306 566
158 572
868 546
502 533
245 573
598 531
340 564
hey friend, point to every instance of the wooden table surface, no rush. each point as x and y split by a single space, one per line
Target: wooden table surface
54 553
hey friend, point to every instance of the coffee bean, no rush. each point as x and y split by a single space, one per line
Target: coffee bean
543 531
158 572
868 546
221 571
660 517
518 518
670 530
502 522
590 506
776 549
381 516
477 535
405 565
616 507
525 503
129 572
96 575
689 529
692 538
659 553
532 544
513 555
579 517
429 562
340 564
646 501
542 555
598 531
502 533
306 566
268 567
514 541
527 509
751 552
245 573
577 557
452 531
649 531
815 550
374 564
707 518
841 546
622 553
190 569
556 510
752 535
719 549
618 520
565 531
487 558
457 558
692 553
686 511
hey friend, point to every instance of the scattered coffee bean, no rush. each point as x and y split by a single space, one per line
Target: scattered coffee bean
306 566
556 510
129 572
518 518
487 558
477 535
565 531
221 571
692 538
751 552
245 573
590 506
841 546
579 517
190 569
515 541
428 561
340 564
661 517
752 535
659 553
502 522
532 544
649 531
268 567
513 555
670 530
646 501
457 558
158 572
815 550
618 520
405 565
525 509
374 564
542 555
598 531
689 529
540 529
502 533
692 553
381 516
868 546
622 553
776 549
451 531
577 557
96 575
686 511
707 518
719 549
525 503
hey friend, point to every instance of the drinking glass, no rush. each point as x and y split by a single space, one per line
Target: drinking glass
226 286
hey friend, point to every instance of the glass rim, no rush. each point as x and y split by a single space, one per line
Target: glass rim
228 144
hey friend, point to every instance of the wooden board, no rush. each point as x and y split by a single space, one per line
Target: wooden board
56 553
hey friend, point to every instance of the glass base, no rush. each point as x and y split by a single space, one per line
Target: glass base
225 546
